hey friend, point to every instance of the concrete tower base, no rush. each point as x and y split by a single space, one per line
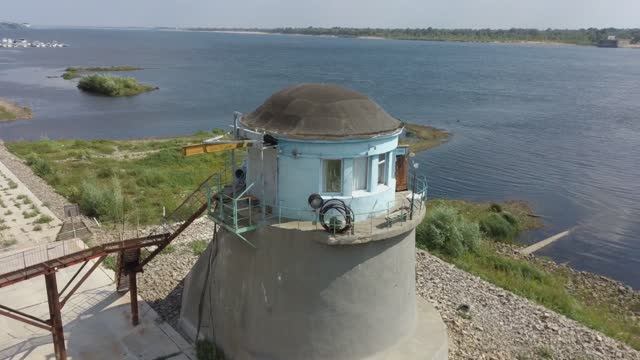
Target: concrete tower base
296 297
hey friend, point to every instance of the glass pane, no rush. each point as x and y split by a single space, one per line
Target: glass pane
382 169
333 176
360 173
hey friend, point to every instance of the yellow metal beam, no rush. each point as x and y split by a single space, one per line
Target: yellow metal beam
198 149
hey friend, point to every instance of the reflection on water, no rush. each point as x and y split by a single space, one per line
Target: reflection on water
556 126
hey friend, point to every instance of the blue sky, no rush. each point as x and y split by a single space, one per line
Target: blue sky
357 13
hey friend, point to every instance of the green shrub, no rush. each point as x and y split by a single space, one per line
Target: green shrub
110 262
112 86
198 247
101 201
105 172
495 207
43 219
30 214
499 226
150 177
445 230
39 165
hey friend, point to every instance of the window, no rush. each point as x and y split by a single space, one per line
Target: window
382 169
332 176
360 173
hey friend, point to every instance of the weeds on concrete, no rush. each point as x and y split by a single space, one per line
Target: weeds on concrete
198 246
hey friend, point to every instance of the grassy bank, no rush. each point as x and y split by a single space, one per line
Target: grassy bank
107 178
77 72
470 235
113 86
423 137
10 111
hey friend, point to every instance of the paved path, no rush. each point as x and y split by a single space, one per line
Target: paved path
24 220
96 324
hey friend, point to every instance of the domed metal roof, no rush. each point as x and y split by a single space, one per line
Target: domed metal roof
320 111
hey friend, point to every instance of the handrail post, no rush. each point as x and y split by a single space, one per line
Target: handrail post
235 214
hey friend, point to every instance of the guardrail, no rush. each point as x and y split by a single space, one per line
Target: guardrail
245 213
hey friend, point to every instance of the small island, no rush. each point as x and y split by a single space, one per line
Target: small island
10 111
423 137
113 86
76 72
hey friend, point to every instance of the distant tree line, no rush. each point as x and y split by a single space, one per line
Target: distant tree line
580 36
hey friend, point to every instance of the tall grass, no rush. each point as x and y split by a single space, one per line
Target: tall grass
97 175
446 231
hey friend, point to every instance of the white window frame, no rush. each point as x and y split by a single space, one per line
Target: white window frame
323 182
365 160
385 165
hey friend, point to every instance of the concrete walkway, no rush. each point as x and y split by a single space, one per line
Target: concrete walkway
24 220
96 324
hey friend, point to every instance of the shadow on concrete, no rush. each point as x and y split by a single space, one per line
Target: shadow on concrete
101 331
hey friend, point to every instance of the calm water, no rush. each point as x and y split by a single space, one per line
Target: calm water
556 126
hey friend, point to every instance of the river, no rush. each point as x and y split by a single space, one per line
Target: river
557 126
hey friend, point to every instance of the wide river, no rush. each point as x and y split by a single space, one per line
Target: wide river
557 126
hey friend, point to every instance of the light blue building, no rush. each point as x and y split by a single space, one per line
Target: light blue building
355 164
314 254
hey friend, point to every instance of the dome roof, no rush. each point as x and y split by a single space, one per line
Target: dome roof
320 111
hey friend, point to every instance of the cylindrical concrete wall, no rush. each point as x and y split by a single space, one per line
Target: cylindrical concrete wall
296 298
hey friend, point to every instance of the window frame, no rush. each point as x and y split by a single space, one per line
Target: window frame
385 168
323 183
365 160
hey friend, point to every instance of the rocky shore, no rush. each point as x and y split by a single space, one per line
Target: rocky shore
483 321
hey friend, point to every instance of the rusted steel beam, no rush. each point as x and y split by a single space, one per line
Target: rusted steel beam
25 318
173 235
133 291
81 281
55 316
73 278
78 257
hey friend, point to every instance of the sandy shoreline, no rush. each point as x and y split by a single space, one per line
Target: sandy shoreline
10 111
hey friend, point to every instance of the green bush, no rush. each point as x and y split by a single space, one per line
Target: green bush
445 230
150 178
101 201
104 173
39 165
495 207
112 86
198 247
499 226
43 219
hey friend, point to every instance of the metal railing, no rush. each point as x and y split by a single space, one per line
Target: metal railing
38 254
244 213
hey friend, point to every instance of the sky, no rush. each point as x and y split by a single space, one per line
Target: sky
541 14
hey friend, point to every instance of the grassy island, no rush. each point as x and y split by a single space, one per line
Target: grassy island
77 72
10 111
113 85
423 137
